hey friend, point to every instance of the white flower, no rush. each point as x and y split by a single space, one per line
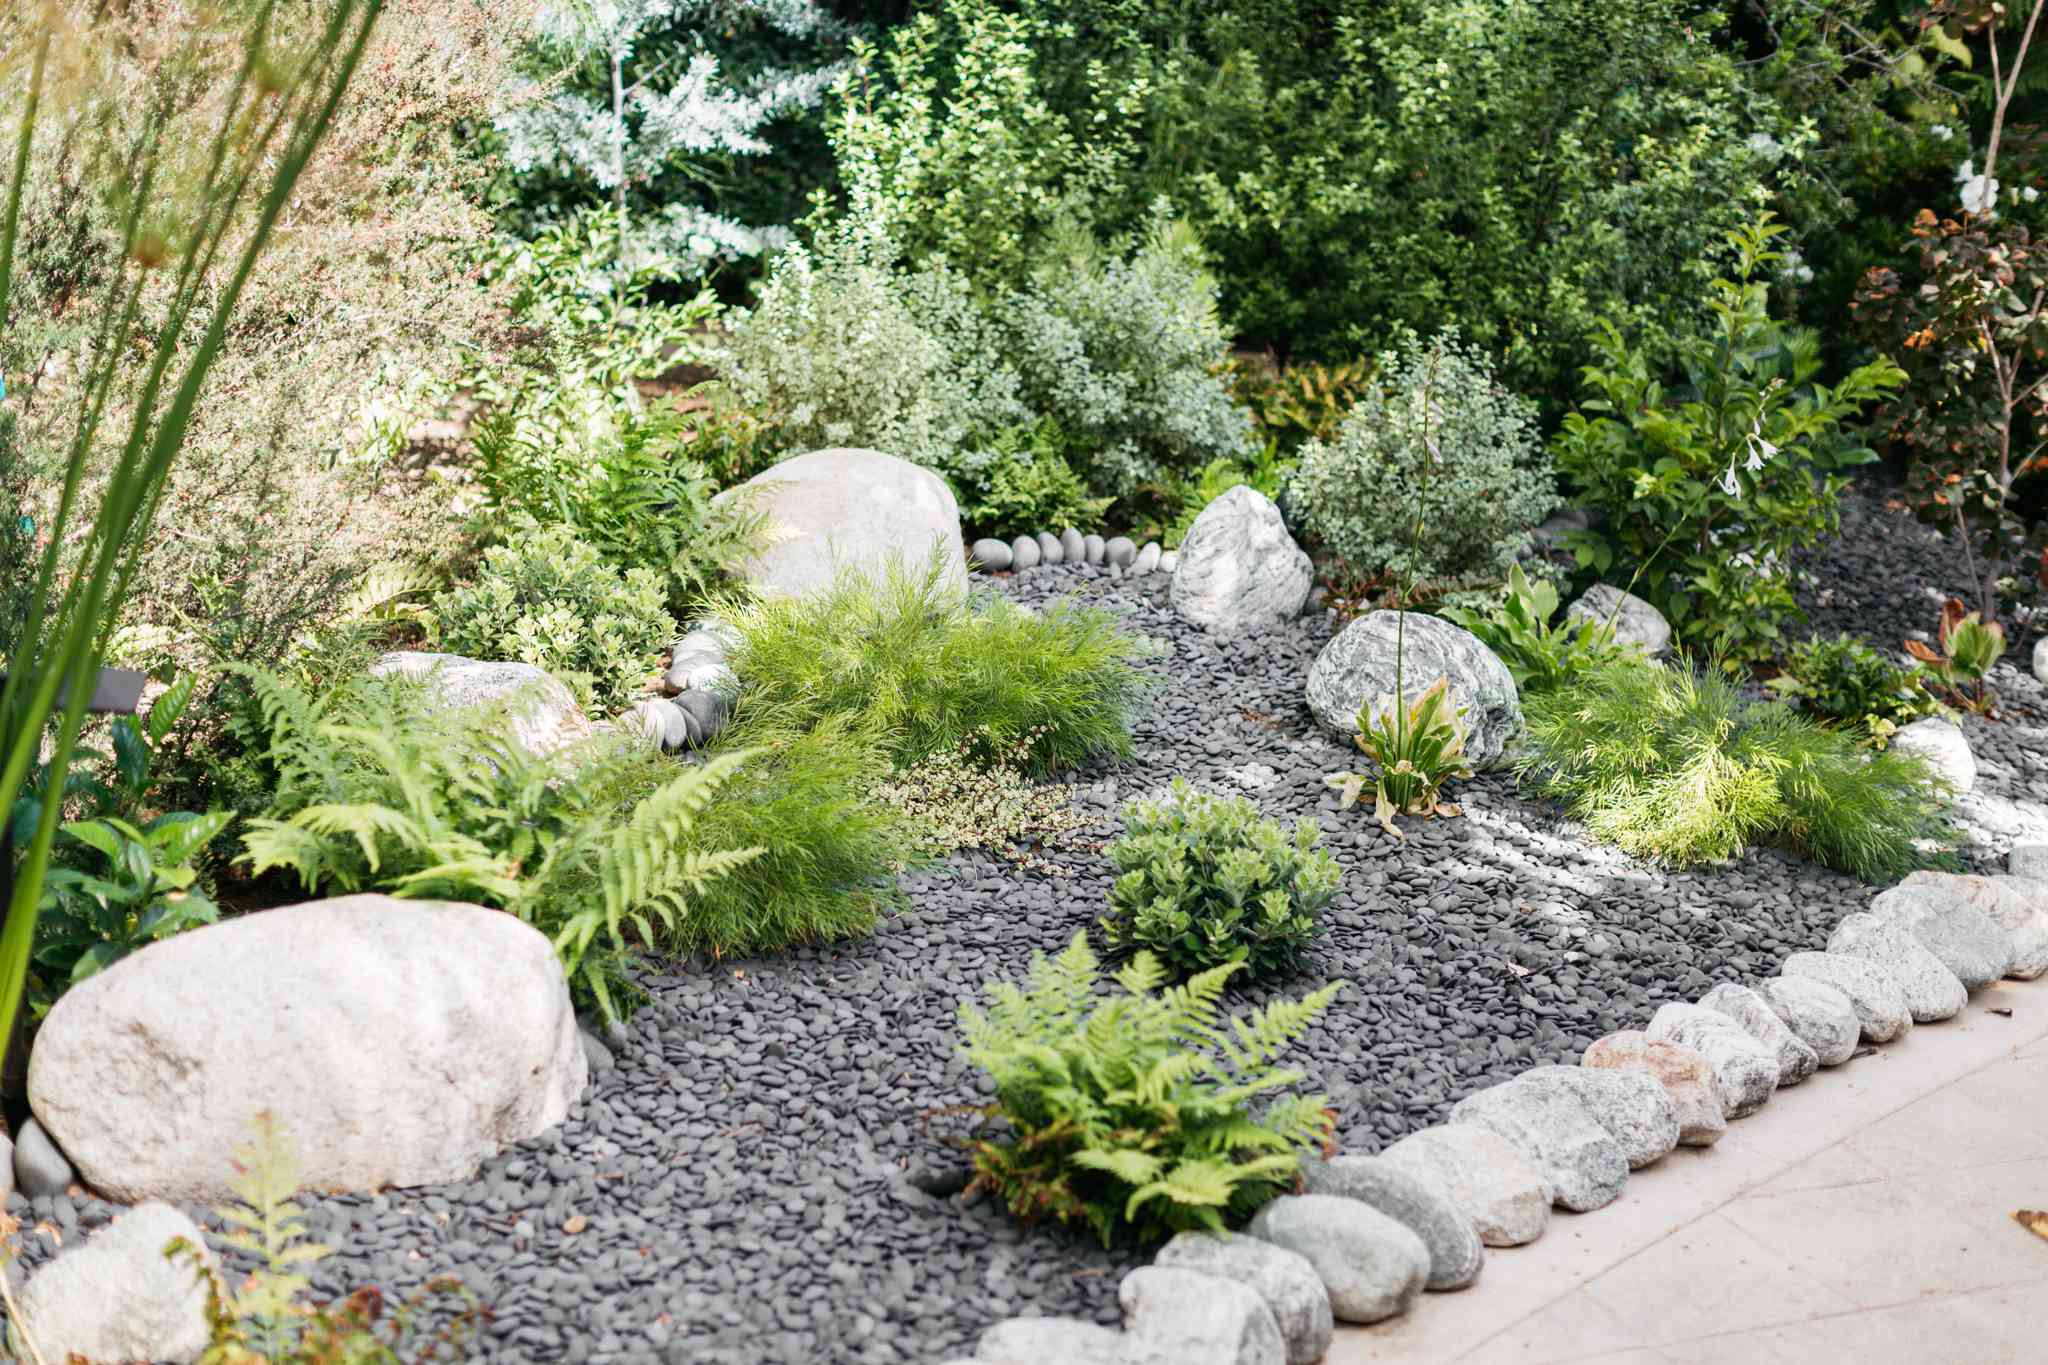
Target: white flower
1730 484
2029 194
1764 145
1942 131
1980 193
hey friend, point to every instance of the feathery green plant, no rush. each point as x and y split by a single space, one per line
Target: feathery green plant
1677 765
1201 880
379 787
204 223
267 1319
927 669
1135 1114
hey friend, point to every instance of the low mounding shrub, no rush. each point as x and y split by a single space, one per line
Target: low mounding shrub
380 788
1202 880
1678 766
925 670
1845 682
549 599
1436 475
1133 1114
975 795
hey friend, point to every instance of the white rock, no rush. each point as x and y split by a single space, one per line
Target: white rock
545 716
2018 905
1284 1279
1148 558
1940 741
1239 569
1819 1015
1506 1199
398 1042
118 1298
1417 1201
1039 1341
1357 667
1371 1267
2041 660
1932 991
1796 1061
1585 1166
1873 992
1632 1106
2029 861
1948 924
1745 1071
1636 623
1686 1077
1175 1316
849 508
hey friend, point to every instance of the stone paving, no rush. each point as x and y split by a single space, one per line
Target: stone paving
1865 1215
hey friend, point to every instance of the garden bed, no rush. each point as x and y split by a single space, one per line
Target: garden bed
752 1179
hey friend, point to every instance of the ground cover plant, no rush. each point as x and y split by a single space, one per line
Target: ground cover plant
1843 681
976 795
1202 880
928 669
1676 765
1137 1115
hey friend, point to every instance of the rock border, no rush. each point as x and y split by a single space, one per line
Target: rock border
1573 1143
1120 554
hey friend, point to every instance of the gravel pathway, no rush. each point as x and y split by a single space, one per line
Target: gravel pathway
749 1182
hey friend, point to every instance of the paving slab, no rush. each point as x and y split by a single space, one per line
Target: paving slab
1865 1215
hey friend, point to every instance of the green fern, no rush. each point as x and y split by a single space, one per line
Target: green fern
1133 1114
380 788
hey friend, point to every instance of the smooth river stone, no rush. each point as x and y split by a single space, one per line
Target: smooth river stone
1745 1071
1932 990
992 554
1024 552
1074 545
1819 1015
2017 905
1585 1167
1050 550
1796 1061
1371 1267
1183 1317
2028 860
1503 1196
1093 548
1148 558
1284 1279
1873 992
1120 551
1412 1198
1947 925
1635 1110
1685 1075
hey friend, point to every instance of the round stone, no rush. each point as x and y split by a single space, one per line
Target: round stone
1687 1079
993 555
1796 1061
1873 992
1932 990
1745 1071
1050 550
1371 1267
1504 1197
1586 1168
1632 1107
1946 924
1357 668
1093 548
1024 552
1417 1201
1148 558
1239 570
1172 1314
1074 546
1120 551
1818 1014
1940 741
1636 622
1284 1279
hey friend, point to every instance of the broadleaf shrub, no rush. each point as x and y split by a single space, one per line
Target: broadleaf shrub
1676 765
1137 1114
550 599
1845 682
1541 652
1203 879
1437 474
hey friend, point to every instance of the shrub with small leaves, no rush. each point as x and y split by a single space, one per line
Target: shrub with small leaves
1134 1114
549 599
976 795
1202 879
1845 682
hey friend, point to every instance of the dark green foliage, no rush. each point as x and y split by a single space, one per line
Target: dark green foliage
380 788
1845 682
1134 1114
829 850
1677 766
1203 880
1031 487
925 670
1540 652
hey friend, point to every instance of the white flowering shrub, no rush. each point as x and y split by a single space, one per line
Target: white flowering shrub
1436 475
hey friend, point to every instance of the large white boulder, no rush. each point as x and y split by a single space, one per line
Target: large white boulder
848 508
1358 667
1238 568
118 1297
1940 741
398 1042
1636 622
544 713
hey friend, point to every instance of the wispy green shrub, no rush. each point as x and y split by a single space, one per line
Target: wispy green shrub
1202 880
549 599
925 669
1138 1114
1437 474
382 788
1677 766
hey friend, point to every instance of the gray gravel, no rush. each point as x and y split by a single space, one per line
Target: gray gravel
754 1172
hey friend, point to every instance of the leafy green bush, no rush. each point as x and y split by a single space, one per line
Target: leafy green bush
1030 487
1202 879
1133 1113
830 849
549 599
975 795
1845 682
926 670
380 787
1709 489
1678 766
1541 653
1437 473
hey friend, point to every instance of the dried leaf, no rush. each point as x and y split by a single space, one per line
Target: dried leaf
575 1224
2033 1220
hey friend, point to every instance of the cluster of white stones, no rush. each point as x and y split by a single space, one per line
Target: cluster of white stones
1071 547
701 689
1372 1233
